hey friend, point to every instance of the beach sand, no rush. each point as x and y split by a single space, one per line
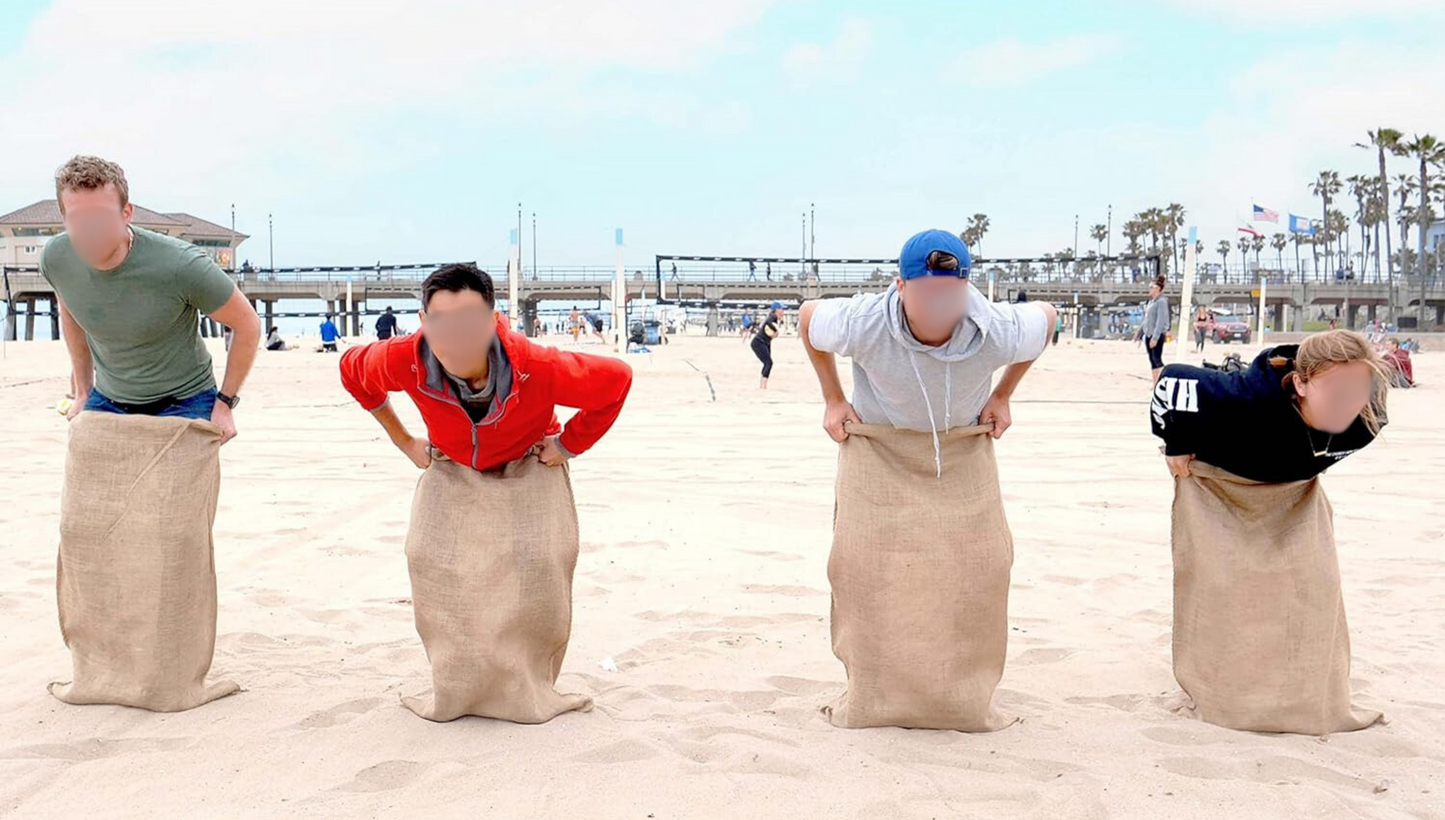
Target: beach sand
705 519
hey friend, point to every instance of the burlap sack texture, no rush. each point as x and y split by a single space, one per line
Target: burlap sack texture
920 575
136 577
491 557
1260 639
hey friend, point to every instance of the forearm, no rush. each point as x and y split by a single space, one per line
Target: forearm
1009 382
244 344
392 424
82 366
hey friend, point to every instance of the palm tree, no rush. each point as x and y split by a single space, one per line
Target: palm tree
1133 229
1336 226
1278 242
1257 243
1382 140
1325 187
1404 184
978 225
1429 151
1362 188
1174 218
1223 250
1099 233
1244 247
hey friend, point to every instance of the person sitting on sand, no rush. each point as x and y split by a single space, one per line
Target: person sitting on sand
274 340
1402 371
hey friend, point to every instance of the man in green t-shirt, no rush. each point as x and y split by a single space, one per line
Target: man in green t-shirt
130 300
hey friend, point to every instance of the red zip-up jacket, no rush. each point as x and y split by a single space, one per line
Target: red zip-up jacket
535 380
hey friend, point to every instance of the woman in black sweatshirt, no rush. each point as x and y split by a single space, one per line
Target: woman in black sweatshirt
1295 412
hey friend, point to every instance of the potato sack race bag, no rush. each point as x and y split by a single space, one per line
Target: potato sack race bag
136 576
1260 640
920 576
491 556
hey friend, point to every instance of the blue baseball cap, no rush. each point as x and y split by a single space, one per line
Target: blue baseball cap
777 306
913 260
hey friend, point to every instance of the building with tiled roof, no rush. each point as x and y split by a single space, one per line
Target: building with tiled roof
25 231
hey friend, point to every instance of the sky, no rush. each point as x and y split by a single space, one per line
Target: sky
409 132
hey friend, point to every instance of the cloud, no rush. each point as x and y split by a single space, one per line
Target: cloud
1308 12
185 91
809 63
1013 62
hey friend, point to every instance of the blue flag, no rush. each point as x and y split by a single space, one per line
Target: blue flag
1299 224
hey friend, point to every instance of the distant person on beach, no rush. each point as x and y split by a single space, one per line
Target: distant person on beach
329 335
467 358
1058 327
130 301
1202 320
274 340
386 324
747 325
576 319
763 341
1155 328
595 325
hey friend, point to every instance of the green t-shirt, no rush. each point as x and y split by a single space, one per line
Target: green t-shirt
141 319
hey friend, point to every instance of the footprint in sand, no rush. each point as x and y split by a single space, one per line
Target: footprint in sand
339 714
98 748
1124 702
385 776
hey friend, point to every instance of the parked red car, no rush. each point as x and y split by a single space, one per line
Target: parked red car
1230 328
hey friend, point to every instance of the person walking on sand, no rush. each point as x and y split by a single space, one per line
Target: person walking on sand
763 341
1202 320
386 324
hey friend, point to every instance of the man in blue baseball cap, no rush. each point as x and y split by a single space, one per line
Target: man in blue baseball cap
763 341
922 553
924 353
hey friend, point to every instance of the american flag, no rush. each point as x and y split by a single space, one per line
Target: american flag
1265 215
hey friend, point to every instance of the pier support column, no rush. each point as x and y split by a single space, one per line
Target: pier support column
712 320
54 304
270 311
29 320
12 319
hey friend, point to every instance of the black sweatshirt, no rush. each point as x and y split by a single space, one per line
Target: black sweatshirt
1245 422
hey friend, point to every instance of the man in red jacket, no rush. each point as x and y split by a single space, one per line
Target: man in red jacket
486 393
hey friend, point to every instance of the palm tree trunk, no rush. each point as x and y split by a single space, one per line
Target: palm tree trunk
1325 228
1420 229
1389 263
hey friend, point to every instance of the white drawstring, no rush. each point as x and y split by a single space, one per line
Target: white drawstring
932 424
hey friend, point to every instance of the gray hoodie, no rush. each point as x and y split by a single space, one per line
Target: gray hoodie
900 382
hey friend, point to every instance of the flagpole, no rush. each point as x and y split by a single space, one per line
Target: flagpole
1186 298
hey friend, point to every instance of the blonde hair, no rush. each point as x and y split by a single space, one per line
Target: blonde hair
1322 351
85 173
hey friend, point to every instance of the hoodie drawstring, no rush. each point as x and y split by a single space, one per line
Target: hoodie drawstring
928 404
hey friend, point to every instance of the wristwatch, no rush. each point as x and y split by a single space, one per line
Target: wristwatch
229 401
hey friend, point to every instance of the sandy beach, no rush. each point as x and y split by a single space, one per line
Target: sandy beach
705 518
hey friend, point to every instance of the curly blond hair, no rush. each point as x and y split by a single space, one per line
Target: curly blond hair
86 173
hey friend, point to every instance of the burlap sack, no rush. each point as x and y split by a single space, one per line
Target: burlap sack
920 575
1260 640
491 557
136 577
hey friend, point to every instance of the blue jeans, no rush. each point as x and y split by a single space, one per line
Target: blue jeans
198 406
